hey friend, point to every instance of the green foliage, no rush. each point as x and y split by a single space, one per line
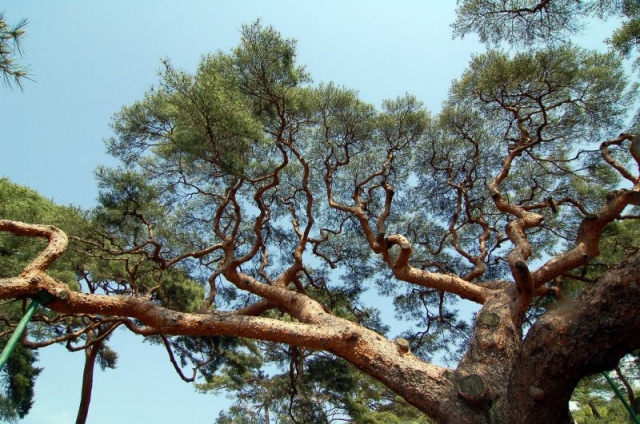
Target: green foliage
201 118
526 22
18 381
621 238
325 389
22 204
11 47
107 358
596 403
245 153
179 292
265 67
625 38
558 91
235 167
211 121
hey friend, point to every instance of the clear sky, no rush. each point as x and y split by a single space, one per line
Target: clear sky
90 58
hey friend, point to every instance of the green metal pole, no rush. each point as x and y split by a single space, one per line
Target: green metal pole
17 333
621 397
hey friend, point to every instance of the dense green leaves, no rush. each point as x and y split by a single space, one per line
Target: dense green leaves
317 388
245 188
265 67
200 119
245 162
18 382
19 203
596 400
559 94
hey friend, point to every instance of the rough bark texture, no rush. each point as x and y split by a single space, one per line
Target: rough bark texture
532 382
502 378
583 337
247 176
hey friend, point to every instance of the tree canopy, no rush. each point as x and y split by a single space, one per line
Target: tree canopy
261 226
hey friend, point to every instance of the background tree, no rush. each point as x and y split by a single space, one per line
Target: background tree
252 204
597 401
20 372
78 332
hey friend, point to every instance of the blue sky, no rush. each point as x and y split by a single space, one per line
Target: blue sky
89 58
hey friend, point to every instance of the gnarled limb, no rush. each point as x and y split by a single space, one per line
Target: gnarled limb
364 348
57 245
567 344
587 243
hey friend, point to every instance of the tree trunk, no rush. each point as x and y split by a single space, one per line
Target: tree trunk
503 378
91 353
568 343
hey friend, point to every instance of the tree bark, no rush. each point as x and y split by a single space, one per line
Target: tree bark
91 353
582 337
502 378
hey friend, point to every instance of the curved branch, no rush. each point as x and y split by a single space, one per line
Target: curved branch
74 335
446 282
588 240
606 154
57 242
103 333
172 358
